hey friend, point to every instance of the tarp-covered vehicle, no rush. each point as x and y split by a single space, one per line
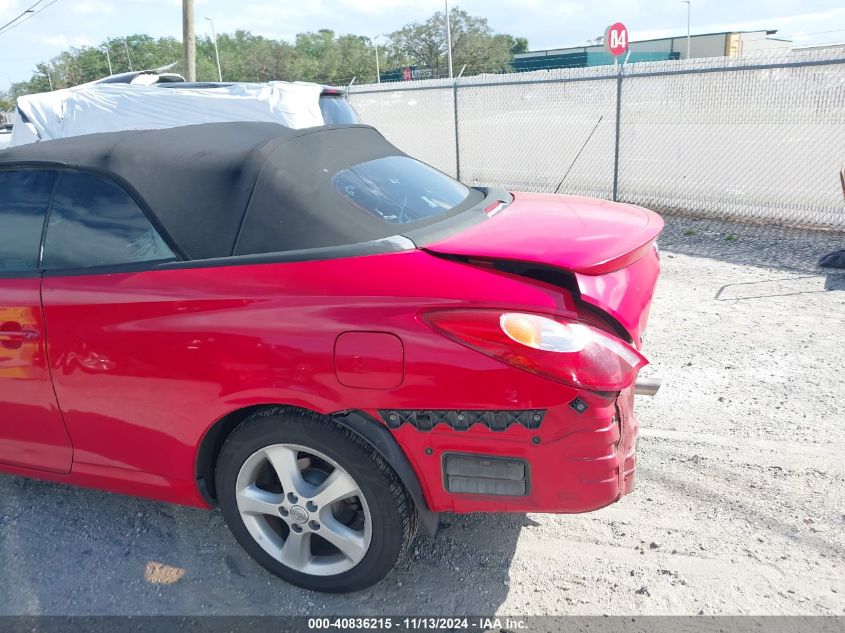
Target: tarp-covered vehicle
152 100
330 339
5 135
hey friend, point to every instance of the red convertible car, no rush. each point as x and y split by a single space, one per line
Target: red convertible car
329 339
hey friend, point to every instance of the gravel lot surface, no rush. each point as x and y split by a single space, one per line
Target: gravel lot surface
739 505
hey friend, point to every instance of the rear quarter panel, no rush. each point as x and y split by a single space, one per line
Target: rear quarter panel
144 363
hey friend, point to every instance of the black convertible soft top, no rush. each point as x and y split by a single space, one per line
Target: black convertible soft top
222 189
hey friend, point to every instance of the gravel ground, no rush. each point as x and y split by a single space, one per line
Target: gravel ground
738 506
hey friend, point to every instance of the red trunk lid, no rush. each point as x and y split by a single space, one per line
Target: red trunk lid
609 247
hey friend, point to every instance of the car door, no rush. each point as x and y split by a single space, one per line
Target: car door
107 358
32 432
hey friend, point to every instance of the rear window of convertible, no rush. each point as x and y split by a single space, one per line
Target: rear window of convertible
399 189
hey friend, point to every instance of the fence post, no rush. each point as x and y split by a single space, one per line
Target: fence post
616 139
457 143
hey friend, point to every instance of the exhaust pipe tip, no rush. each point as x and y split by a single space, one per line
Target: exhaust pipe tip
647 386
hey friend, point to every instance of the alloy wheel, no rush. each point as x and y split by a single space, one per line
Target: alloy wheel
304 509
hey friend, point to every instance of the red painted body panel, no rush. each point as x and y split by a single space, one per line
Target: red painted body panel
583 235
144 363
32 433
608 245
624 294
177 350
369 360
119 481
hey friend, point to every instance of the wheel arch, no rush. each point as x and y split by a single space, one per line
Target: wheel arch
371 431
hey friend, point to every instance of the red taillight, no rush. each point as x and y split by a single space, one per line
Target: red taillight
560 349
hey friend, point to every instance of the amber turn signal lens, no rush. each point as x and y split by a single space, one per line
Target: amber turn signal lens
522 329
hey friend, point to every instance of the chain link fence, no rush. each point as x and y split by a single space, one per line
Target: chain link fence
751 139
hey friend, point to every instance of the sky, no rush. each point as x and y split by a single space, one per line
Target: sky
546 23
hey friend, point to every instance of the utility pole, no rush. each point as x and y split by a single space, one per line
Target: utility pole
49 79
216 52
448 39
108 58
128 58
687 2
189 42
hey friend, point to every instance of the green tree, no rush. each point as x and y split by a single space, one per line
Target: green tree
517 44
320 56
245 57
325 58
474 44
357 58
7 103
80 65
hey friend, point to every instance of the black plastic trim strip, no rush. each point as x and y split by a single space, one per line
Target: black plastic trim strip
57 177
23 274
427 420
378 247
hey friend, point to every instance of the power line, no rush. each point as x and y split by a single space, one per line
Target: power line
818 33
30 16
29 10
29 13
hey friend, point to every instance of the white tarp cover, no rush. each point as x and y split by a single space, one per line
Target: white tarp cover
104 107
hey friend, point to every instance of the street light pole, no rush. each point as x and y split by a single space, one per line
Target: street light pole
378 69
448 39
216 52
688 23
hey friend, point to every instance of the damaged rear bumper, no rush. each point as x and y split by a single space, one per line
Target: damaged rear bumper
581 457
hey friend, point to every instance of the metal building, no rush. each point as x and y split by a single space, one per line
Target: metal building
728 44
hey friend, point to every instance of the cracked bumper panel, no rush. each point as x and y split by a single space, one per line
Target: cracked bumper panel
578 461
630 429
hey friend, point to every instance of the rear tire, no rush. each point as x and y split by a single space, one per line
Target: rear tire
312 502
